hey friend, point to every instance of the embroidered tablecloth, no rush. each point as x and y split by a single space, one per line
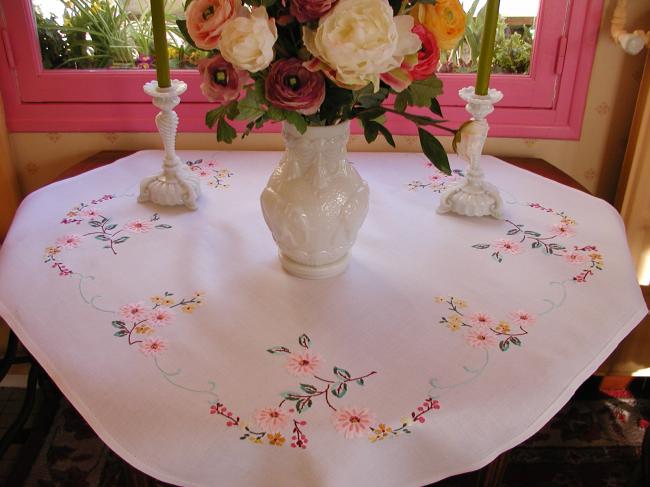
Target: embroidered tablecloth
196 358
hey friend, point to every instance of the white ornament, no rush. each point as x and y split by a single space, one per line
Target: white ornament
176 185
474 196
315 202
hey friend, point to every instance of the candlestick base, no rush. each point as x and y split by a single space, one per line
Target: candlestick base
176 185
474 196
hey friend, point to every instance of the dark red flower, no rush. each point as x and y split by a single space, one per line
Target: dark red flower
221 82
309 10
428 56
291 86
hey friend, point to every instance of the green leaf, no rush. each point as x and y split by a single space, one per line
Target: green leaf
120 333
94 224
291 396
304 341
458 136
340 389
118 324
103 238
435 107
182 26
434 151
278 350
297 120
504 345
387 135
163 226
112 226
275 113
225 132
303 404
342 373
360 382
402 99
481 246
370 130
212 116
121 240
515 341
425 90
370 100
249 107
308 388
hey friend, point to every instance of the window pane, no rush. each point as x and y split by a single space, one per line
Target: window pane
115 34
514 42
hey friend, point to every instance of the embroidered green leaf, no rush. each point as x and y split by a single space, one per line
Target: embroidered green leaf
121 240
304 341
118 324
497 257
278 350
121 333
303 405
308 388
481 246
112 226
536 245
514 231
155 217
163 226
504 345
339 389
291 396
515 341
533 234
103 238
342 373
360 382
94 223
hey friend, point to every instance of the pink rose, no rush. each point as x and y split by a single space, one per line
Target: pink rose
291 86
428 56
222 82
205 20
308 10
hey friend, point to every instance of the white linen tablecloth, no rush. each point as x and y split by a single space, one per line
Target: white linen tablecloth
197 359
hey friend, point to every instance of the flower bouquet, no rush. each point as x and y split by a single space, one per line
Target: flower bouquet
322 62
315 65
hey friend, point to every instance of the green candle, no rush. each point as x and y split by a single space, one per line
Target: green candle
487 47
160 43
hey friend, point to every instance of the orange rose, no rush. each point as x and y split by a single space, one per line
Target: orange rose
445 20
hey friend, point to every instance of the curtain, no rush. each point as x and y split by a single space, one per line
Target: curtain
9 192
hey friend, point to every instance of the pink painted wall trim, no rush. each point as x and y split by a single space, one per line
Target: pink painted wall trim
542 105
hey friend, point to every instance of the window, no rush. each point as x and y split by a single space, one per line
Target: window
543 98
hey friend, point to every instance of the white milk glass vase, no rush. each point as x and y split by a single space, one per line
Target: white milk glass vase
315 202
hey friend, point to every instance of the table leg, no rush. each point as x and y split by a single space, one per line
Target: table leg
492 474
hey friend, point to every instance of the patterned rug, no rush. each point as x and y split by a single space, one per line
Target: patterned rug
594 441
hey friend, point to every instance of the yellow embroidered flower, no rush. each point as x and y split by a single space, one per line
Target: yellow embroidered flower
568 221
460 303
454 322
157 300
52 250
198 294
381 431
255 439
143 329
275 439
168 302
503 327
406 420
440 299
188 308
445 20
70 214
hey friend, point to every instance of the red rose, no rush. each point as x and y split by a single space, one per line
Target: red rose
291 86
222 82
308 10
428 56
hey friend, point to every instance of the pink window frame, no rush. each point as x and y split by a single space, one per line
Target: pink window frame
548 103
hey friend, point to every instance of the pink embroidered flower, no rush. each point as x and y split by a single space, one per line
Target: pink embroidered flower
271 419
481 319
153 346
507 246
160 317
563 230
522 318
575 258
481 337
133 312
139 226
304 363
69 241
89 213
352 422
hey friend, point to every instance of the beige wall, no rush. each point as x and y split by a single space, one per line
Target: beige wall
594 160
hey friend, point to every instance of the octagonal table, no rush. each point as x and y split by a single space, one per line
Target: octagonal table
448 340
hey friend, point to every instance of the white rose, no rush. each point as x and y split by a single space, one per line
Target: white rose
247 42
360 39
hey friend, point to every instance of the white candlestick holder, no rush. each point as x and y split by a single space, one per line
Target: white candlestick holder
474 196
176 184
